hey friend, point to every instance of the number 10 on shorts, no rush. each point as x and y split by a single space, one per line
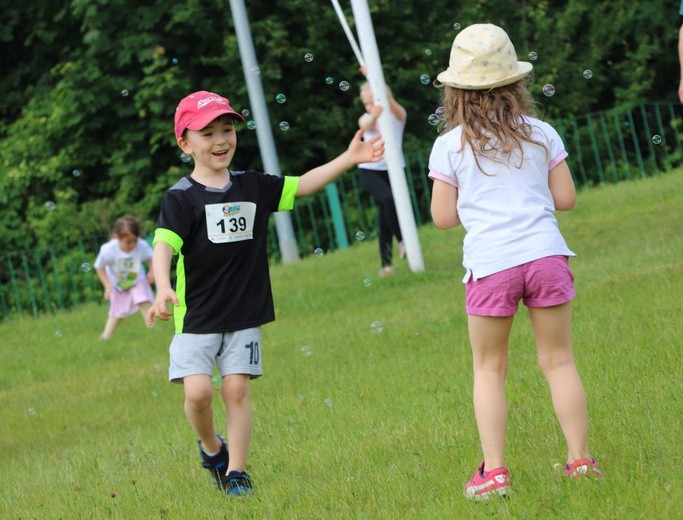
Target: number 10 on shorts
254 353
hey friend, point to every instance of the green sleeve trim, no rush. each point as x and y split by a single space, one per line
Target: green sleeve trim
168 237
288 193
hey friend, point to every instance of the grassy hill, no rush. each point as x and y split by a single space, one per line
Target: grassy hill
369 425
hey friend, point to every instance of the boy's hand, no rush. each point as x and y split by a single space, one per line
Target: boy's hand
371 150
159 309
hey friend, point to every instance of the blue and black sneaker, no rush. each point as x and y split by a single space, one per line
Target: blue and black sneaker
237 483
217 464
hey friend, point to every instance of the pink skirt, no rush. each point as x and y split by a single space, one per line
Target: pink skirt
123 304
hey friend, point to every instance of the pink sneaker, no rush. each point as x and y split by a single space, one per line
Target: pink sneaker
481 487
583 467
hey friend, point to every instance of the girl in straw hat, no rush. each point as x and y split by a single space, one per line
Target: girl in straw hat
502 174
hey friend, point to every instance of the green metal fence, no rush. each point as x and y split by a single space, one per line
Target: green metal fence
604 147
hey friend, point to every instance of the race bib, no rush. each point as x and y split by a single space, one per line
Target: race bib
230 222
127 270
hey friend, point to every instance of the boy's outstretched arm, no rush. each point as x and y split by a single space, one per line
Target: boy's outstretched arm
163 253
358 152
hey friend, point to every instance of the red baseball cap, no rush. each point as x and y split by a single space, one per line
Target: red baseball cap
200 108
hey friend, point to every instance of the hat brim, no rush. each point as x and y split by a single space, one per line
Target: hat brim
447 78
201 121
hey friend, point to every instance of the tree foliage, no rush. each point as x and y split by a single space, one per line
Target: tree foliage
89 87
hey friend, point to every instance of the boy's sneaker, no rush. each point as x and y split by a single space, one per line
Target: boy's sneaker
217 464
583 468
237 483
483 485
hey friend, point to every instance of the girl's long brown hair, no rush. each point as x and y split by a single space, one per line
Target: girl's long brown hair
491 120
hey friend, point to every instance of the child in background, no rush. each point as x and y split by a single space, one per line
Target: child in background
119 266
374 176
216 221
502 174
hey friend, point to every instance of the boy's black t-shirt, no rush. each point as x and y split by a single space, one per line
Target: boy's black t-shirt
223 281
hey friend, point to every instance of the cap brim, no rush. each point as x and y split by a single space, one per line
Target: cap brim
445 78
204 119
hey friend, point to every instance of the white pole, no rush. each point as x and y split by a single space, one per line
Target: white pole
397 177
349 34
264 135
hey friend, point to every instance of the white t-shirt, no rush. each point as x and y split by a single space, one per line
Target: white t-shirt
508 212
124 269
382 165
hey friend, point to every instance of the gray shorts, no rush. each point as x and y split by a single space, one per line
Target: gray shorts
236 352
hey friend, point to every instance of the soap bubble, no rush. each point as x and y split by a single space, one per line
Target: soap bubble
328 402
376 327
656 139
245 112
428 52
284 126
251 124
533 56
50 205
86 267
305 351
548 90
280 98
329 80
256 69
588 74
76 172
433 119
308 57
360 235
124 93
155 393
367 282
185 157
174 61
217 380
318 251
58 333
32 411
344 86
424 79
457 26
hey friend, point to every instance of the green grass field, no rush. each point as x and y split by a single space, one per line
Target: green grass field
371 426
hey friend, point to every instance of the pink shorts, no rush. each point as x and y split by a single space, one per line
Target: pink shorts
123 304
541 283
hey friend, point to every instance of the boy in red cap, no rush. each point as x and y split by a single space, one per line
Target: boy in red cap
216 221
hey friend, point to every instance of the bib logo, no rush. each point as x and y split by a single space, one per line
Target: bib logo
230 209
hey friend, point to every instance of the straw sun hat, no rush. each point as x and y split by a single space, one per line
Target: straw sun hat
482 57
